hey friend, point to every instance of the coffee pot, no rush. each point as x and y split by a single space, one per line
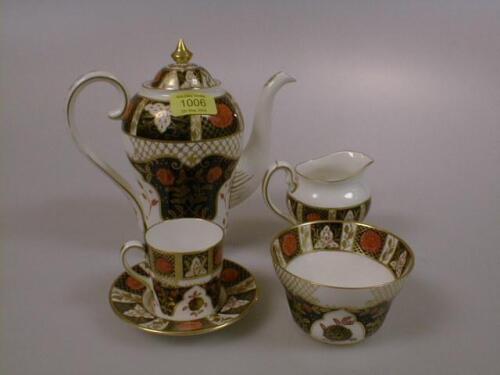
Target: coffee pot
183 136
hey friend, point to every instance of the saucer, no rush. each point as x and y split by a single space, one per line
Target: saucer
133 303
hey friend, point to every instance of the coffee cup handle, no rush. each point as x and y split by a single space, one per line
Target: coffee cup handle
123 253
292 186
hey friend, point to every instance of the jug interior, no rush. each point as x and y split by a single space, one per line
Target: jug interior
334 167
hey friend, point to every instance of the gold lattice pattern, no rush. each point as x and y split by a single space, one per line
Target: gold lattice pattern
297 286
387 292
189 153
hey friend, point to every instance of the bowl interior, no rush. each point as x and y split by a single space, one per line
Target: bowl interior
380 247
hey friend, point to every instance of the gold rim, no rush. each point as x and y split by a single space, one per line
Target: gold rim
189 333
289 196
403 278
192 252
331 181
238 133
174 155
204 140
147 84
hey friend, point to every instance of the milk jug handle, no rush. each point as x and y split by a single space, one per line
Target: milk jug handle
79 85
292 186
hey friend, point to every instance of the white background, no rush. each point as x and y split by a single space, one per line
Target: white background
414 84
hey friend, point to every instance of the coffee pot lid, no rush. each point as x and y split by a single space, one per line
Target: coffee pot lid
182 75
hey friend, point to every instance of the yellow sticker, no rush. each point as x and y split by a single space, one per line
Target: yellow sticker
192 103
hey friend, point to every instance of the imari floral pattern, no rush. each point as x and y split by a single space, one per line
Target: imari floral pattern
151 119
161 115
338 326
186 76
326 239
195 266
340 315
183 161
129 300
195 298
169 268
305 213
343 236
186 191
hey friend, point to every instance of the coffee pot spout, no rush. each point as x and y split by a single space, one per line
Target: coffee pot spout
255 157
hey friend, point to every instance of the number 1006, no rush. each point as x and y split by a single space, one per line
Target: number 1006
194 102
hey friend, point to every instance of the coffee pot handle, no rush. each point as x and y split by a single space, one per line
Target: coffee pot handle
292 186
123 254
75 90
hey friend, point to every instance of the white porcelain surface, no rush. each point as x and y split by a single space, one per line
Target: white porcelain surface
339 194
253 162
335 180
340 268
184 235
332 181
334 167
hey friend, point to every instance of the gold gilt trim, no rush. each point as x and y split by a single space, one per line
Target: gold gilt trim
179 274
240 316
238 133
182 54
196 127
181 253
137 115
333 181
401 278
190 153
328 208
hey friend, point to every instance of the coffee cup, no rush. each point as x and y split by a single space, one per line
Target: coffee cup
183 262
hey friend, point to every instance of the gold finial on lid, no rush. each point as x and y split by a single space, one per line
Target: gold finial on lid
181 55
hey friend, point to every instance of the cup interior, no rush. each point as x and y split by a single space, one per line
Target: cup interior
340 254
184 235
340 268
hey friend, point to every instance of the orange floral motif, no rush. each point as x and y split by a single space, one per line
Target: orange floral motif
165 176
223 118
134 284
163 265
189 325
289 244
229 275
371 242
214 174
313 216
